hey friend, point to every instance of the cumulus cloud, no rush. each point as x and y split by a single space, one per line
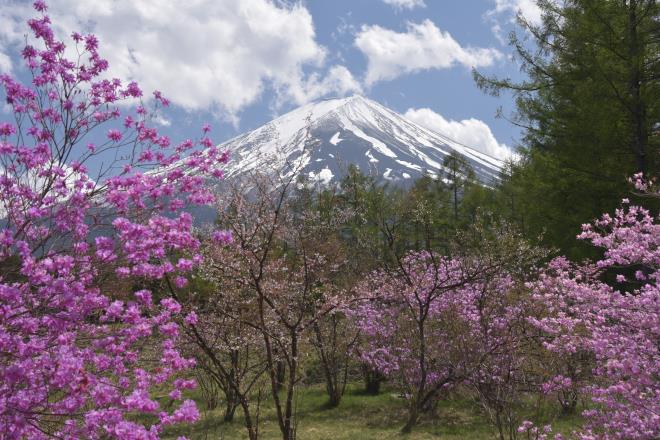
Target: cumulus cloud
405 4
202 54
423 46
503 14
527 8
471 132
338 79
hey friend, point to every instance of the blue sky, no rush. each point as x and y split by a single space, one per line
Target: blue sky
239 63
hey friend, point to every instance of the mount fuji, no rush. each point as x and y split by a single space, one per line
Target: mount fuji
324 137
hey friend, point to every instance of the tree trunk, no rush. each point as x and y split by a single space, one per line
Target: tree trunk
252 429
334 396
498 423
289 431
231 387
332 387
455 198
372 380
413 416
230 409
335 370
568 402
280 375
637 106
430 405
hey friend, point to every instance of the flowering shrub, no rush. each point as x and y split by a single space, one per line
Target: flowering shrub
78 360
269 287
442 321
619 326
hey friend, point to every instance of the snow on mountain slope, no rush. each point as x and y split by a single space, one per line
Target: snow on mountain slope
323 138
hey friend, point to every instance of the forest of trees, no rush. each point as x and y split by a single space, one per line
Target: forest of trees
589 107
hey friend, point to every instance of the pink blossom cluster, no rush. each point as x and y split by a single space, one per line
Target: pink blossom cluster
644 185
437 323
531 432
397 306
79 355
619 327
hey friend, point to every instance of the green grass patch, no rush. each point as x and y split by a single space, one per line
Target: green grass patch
365 417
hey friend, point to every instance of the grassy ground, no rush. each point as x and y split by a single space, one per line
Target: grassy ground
364 417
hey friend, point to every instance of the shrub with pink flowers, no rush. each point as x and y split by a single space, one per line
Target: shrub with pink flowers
436 322
619 325
81 357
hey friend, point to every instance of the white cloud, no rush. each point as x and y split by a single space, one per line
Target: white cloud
162 121
338 80
202 54
405 4
504 13
5 63
471 132
423 46
527 8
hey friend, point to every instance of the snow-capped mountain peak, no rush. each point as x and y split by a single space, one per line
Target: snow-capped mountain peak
324 137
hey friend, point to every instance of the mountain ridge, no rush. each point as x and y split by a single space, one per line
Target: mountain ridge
323 136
